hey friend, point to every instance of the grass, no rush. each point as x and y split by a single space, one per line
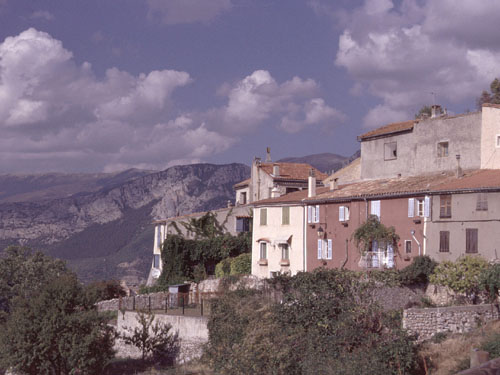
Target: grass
452 354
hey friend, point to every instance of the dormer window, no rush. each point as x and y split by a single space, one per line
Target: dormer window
390 151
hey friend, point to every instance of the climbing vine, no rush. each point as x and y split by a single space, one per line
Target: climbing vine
373 230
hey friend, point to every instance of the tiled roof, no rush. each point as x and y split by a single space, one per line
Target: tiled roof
293 171
242 183
290 198
396 127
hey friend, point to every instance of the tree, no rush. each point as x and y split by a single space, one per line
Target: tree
373 230
104 290
56 332
155 341
241 265
424 110
490 97
462 276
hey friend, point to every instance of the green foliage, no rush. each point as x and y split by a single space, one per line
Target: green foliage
223 268
321 322
462 276
419 271
153 339
425 109
490 97
490 281
492 345
373 230
23 272
104 290
206 226
199 273
388 277
184 254
56 331
242 264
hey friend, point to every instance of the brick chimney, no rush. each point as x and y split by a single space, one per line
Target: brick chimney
311 184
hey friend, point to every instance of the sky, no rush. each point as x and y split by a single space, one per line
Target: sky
107 85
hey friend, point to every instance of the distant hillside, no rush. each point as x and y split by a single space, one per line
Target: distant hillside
108 233
325 162
36 187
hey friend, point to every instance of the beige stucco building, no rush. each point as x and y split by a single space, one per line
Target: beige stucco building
490 136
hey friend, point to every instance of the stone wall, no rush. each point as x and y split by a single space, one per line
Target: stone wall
429 321
193 333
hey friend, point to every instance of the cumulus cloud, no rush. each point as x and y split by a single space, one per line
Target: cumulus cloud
403 51
258 98
57 115
173 12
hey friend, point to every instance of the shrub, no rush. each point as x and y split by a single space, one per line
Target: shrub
388 277
419 271
492 345
490 281
104 290
242 264
462 276
223 268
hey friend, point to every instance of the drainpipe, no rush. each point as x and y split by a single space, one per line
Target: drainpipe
418 243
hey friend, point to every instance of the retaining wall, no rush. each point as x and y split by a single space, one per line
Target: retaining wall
429 321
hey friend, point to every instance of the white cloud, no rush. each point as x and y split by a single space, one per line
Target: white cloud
258 98
43 15
403 52
57 115
173 12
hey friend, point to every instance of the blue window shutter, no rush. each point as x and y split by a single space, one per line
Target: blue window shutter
411 207
320 246
317 214
341 213
329 253
309 214
427 206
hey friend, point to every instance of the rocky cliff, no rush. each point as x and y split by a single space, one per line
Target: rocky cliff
92 229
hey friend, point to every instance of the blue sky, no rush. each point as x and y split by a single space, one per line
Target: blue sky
113 84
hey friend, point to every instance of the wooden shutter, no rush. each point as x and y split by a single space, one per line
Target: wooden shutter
390 256
341 213
239 224
309 214
320 247
317 214
346 209
471 240
427 206
375 208
263 216
285 215
329 253
444 241
411 207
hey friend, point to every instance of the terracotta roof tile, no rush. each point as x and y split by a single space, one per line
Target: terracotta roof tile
396 127
293 171
242 183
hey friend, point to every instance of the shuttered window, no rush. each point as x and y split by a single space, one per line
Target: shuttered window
482 202
411 207
445 206
408 246
320 249
375 208
263 216
329 251
316 216
341 213
309 214
471 240
285 215
427 206
444 241
263 250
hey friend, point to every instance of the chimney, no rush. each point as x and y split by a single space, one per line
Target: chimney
229 204
276 169
459 169
311 186
334 184
435 111
268 155
275 192
257 160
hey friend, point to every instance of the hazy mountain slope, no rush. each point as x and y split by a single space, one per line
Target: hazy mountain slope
101 226
325 162
36 187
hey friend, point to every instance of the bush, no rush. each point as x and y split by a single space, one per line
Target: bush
462 276
223 268
241 265
104 290
492 345
490 281
419 271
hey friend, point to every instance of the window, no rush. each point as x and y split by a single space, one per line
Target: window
420 207
375 208
408 246
242 224
243 198
329 249
442 149
411 207
343 213
320 249
497 140
285 251
325 249
285 215
313 214
482 202
156 261
390 151
471 240
445 206
263 250
263 216
444 241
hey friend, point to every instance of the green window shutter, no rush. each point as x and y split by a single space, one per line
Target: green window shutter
263 216
285 215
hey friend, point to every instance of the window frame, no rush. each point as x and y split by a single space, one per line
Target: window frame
389 152
482 202
285 249
445 201
283 216
471 240
420 202
444 241
263 216
440 148
407 242
262 250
